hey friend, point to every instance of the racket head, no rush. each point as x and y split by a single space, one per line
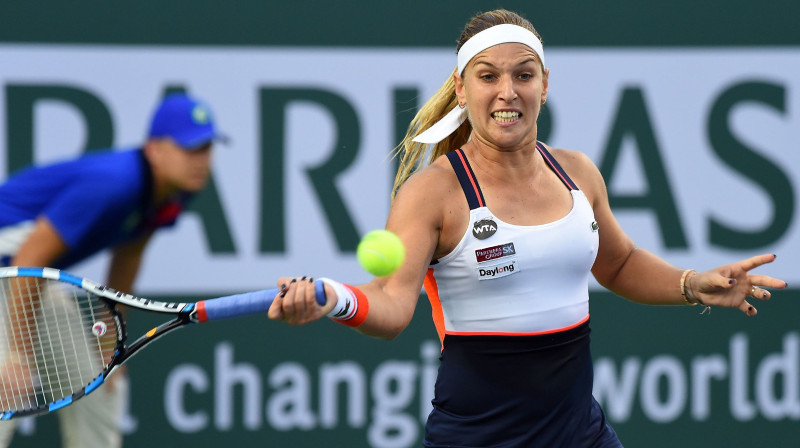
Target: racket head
59 341
62 335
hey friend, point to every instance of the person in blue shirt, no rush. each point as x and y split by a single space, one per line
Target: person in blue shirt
63 213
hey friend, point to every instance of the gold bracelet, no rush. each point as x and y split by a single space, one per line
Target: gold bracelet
683 286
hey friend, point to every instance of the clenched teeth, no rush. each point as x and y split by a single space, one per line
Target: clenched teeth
505 116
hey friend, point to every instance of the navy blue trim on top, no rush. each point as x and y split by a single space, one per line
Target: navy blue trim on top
467 179
551 161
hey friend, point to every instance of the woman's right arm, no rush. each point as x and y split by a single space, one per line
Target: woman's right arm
416 217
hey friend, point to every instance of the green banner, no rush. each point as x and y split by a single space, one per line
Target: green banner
666 377
394 23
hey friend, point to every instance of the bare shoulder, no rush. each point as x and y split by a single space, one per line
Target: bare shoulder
582 170
578 165
427 191
570 158
432 182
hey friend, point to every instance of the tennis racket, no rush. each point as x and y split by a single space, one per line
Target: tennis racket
61 336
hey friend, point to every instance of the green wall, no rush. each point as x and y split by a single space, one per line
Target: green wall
624 334
397 22
621 331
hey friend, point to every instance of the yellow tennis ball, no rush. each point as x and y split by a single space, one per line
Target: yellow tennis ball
381 252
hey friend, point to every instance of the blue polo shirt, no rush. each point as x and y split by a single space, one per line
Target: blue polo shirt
94 202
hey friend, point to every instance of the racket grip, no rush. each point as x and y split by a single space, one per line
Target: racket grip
247 303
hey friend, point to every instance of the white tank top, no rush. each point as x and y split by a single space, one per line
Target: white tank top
503 278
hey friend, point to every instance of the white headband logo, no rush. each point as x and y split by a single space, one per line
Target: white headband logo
498 34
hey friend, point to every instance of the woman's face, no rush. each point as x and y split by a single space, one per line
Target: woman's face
504 88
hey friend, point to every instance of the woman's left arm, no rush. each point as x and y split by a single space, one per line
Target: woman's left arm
641 276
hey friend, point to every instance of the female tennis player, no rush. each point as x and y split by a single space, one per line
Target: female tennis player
504 232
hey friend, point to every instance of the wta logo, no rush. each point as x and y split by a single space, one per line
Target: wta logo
498 271
484 228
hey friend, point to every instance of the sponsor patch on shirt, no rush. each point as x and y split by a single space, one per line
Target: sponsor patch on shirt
494 252
484 228
497 270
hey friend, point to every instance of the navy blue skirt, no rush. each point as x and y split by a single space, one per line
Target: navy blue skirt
518 391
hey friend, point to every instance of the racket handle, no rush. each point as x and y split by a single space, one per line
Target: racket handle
244 304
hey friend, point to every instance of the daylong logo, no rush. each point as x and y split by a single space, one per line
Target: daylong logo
484 228
497 271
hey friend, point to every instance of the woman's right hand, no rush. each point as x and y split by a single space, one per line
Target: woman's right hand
296 303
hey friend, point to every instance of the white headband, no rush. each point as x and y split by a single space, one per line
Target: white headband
498 34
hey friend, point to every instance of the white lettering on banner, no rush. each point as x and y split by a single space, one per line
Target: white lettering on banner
670 370
351 375
196 379
663 388
393 387
775 386
227 376
582 115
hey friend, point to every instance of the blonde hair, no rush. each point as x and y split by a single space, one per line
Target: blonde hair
413 154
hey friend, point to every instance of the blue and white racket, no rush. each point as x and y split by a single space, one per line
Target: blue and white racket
61 336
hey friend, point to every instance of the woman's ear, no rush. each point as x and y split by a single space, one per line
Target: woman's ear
545 84
460 94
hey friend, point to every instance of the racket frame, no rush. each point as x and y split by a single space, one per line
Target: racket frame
185 313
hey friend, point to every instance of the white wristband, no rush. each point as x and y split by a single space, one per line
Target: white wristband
346 301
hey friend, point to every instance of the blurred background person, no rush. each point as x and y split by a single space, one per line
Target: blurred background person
59 214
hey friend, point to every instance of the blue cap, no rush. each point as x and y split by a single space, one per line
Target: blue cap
185 120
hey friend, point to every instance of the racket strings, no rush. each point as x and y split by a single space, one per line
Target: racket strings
55 339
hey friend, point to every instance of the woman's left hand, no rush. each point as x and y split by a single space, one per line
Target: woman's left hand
730 285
